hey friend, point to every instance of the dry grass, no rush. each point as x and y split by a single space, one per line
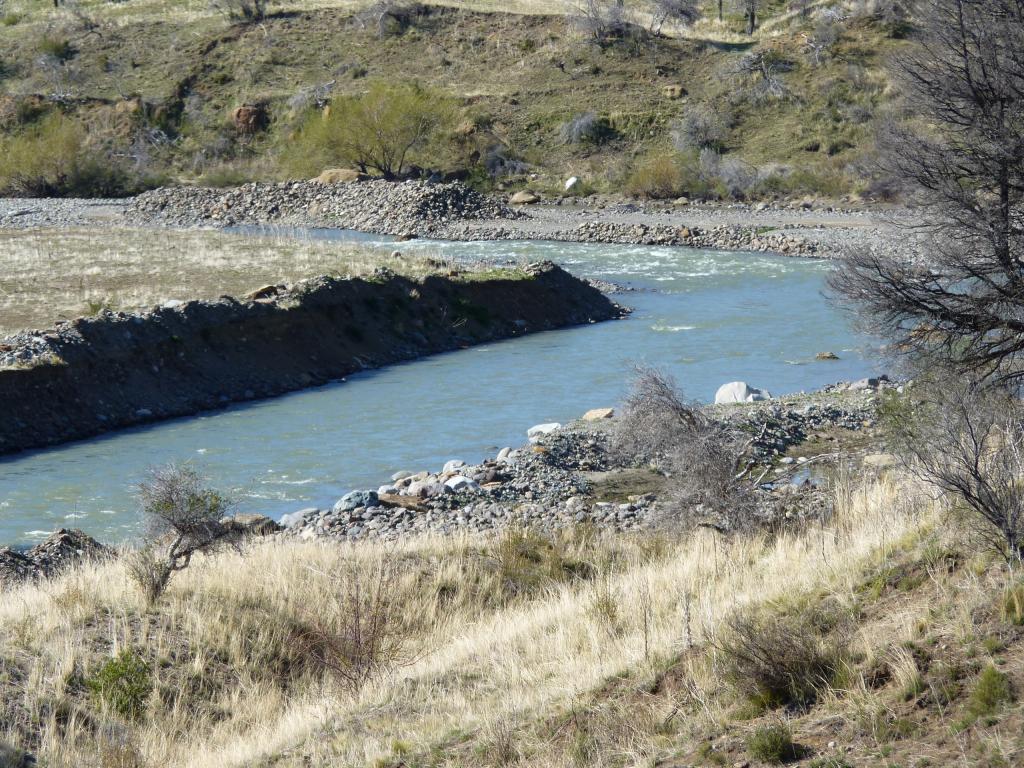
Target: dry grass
507 633
47 276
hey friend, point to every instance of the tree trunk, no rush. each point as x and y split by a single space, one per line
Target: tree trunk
721 17
751 21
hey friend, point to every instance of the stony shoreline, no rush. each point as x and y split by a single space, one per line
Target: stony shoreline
565 475
455 212
569 475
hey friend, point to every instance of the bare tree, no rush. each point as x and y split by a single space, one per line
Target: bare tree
749 8
967 439
182 517
961 146
602 20
675 11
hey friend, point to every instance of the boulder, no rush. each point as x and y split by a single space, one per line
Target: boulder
461 483
542 429
673 92
865 384
295 519
253 525
405 502
599 414
572 183
338 176
402 475
454 465
739 392
249 118
356 499
524 198
826 356
62 548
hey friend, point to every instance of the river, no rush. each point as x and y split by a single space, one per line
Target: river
706 317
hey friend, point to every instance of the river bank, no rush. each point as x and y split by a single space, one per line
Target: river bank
119 369
565 476
454 212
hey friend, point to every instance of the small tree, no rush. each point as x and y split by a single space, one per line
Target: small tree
700 127
380 130
967 440
181 517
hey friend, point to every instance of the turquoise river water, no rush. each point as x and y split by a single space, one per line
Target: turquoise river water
706 317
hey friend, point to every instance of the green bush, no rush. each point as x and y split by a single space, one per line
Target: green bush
123 684
386 130
10 19
772 744
991 691
51 159
58 47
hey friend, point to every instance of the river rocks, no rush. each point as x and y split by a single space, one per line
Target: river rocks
598 414
356 499
338 176
461 483
453 465
826 356
537 431
252 525
61 549
524 198
739 392
296 519
408 208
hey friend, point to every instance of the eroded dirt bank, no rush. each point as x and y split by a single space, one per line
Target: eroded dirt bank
116 370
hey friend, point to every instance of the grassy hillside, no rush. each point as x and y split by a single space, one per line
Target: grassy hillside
575 650
159 96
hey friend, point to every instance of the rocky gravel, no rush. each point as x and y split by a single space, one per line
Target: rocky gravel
60 550
412 208
808 228
545 484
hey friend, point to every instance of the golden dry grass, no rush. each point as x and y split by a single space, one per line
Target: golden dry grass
488 657
47 276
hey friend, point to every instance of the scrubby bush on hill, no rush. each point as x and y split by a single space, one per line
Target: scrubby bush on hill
385 130
52 158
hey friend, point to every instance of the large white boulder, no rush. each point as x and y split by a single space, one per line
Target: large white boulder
542 429
740 392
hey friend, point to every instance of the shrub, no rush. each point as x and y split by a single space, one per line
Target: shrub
10 19
123 684
780 659
587 128
991 691
182 517
390 17
772 744
658 177
52 159
242 10
1013 605
700 127
701 456
58 47
383 129
369 639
